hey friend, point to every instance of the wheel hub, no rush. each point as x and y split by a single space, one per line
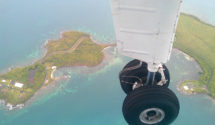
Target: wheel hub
152 116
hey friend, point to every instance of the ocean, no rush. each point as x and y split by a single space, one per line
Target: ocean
92 96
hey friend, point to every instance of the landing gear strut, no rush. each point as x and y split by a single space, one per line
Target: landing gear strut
148 101
135 73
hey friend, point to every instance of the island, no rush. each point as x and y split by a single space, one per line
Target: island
72 49
197 39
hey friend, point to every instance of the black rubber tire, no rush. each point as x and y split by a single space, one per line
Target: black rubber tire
147 97
127 88
140 72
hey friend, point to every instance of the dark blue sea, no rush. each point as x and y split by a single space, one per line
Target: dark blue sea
91 96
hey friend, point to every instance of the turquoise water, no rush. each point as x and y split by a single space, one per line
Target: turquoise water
90 96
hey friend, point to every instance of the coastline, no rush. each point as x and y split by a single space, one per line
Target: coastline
44 85
183 84
180 88
198 19
202 84
52 87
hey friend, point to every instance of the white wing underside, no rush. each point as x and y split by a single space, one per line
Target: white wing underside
145 29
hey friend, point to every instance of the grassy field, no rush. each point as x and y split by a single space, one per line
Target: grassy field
197 39
72 49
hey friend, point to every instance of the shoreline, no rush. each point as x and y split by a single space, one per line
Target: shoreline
49 88
180 88
183 85
53 79
198 19
204 57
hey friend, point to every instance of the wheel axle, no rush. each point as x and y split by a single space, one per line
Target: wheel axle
148 101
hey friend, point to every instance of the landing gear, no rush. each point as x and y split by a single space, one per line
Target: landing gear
148 101
136 72
150 106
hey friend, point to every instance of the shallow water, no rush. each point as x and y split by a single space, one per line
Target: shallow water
90 96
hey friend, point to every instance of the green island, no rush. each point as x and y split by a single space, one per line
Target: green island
72 49
193 37
197 39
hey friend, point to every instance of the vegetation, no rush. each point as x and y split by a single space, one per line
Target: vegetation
193 87
72 49
15 95
75 48
67 40
197 39
86 53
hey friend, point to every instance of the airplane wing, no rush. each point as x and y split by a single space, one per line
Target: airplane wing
145 29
